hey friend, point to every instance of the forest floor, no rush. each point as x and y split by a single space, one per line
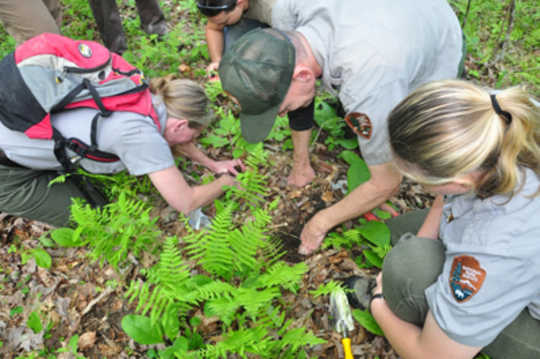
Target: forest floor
81 297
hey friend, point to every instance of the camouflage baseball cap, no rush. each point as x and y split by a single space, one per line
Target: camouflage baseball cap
257 70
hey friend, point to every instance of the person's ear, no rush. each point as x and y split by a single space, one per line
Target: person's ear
465 182
241 2
181 124
303 73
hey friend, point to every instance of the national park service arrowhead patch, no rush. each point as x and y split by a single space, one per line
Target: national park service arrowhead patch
466 278
360 124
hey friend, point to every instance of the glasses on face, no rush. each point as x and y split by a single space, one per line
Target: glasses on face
210 8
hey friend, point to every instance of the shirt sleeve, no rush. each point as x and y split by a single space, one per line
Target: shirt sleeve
142 148
375 100
478 295
284 15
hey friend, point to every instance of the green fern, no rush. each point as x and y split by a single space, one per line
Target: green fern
257 156
253 189
226 251
114 231
283 275
326 289
212 250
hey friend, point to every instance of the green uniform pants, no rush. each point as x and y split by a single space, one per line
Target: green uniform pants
24 19
423 260
26 193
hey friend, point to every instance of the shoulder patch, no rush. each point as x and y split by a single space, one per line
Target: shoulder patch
466 278
360 124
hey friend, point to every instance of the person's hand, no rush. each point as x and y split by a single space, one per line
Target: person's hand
312 235
230 166
211 70
388 208
301 176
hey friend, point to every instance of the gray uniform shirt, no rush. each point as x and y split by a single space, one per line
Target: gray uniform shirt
134 138
492 268
373 53
260 10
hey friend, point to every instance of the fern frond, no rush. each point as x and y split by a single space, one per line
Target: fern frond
212 250
242 342
298 338
212 290
257 156
170 271
283 275
254 300
326 289
253 188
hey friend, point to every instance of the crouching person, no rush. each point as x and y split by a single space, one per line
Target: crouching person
28 165
468 279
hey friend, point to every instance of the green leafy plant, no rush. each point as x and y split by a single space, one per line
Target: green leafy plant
373 238
358 171
34 322
42 258
366 320
326 289
112 232
244 281
328 120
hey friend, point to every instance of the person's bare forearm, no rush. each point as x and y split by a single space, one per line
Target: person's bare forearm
301 173
403 336
205 194
195 154
300 141
430 227
214 40
175 190
383 183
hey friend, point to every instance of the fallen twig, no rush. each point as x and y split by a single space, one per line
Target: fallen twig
103 294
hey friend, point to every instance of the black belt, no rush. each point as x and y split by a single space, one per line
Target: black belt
4 160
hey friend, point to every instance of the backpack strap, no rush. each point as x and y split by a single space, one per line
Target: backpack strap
76 145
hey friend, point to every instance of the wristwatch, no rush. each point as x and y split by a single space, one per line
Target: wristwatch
375 296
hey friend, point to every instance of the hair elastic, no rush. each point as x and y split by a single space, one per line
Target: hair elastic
506 115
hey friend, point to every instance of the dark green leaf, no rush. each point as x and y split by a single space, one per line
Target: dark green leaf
349 143
34 322
357 174
140 329
64 237
367 321
74 343
349 156
171 325
373 258
43 259
376 233
214 141
381 214
17 310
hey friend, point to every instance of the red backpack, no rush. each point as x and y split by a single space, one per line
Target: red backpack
50 73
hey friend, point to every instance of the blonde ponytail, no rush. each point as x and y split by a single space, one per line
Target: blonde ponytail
446 129
184 99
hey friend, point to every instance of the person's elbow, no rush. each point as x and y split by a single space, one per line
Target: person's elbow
187 203
386 179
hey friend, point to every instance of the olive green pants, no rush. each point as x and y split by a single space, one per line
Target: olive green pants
24 19
423 260
26 193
